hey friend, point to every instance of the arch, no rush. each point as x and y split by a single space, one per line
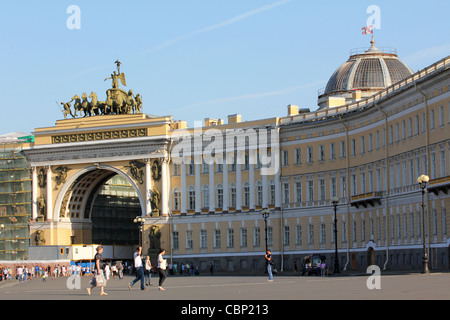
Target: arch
107 172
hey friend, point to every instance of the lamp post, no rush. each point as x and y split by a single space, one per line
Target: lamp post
335 202
423 180
140 220
265 214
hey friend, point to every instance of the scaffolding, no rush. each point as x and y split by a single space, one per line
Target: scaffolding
15 202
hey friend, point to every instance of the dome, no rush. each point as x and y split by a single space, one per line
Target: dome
369 72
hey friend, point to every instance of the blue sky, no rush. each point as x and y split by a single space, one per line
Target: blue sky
200 58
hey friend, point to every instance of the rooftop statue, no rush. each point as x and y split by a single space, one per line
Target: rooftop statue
117 101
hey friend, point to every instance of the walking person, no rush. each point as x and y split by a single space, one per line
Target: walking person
148 273
162 265
139 269
268 258
98 273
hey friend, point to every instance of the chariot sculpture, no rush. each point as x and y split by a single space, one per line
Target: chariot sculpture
118 101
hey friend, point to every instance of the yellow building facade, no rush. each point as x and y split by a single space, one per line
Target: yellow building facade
213 180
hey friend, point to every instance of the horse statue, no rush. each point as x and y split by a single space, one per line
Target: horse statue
85 105
97 107
131 103
77 106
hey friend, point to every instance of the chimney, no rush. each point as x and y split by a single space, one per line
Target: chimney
292 110
234 118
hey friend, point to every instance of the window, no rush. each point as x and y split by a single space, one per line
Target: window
269 235
298 234
285 158
441 116
205 196
353 147
230 238
342 149
272 192
175 240
321 153
176 169
370 142
233 195
176 199
191 198
189 240
203 239
217 238
286 236
322 233
259 193
310 190
243 237
257 237
286 198
333 187
309 155
332 151
432 119
219 195
298 156
310 234
417 125
246 194
298 191
322 194
363 145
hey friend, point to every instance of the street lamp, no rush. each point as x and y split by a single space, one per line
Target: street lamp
335 202
265 214
423 180
140 220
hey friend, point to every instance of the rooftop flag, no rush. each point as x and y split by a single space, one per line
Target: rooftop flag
366 30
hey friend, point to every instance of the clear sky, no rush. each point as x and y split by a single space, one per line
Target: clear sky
197 59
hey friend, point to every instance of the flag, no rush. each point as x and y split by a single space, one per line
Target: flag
366 30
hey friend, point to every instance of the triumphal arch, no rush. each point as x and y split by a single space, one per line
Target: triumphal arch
95 141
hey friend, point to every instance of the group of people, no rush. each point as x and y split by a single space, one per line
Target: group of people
143 271
26 273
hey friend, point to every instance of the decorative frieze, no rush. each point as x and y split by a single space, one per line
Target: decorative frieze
102 135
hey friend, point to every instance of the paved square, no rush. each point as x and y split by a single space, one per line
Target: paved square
235 288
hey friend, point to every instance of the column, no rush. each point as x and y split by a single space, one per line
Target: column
164 186
148 188
277 189
225 185
238 187
183 188
49 200
34 204
198 194
265 192
251 178
211 189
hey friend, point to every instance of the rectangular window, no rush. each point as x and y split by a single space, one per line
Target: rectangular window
189 240
175 240
203 239
230 238
217 238
243 238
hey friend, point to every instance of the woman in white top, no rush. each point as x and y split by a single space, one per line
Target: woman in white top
148 271
162 265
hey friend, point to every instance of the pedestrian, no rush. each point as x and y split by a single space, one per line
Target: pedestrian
211 268
323 268
268 258
98 273
139 269
147 272
295 267
162 265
